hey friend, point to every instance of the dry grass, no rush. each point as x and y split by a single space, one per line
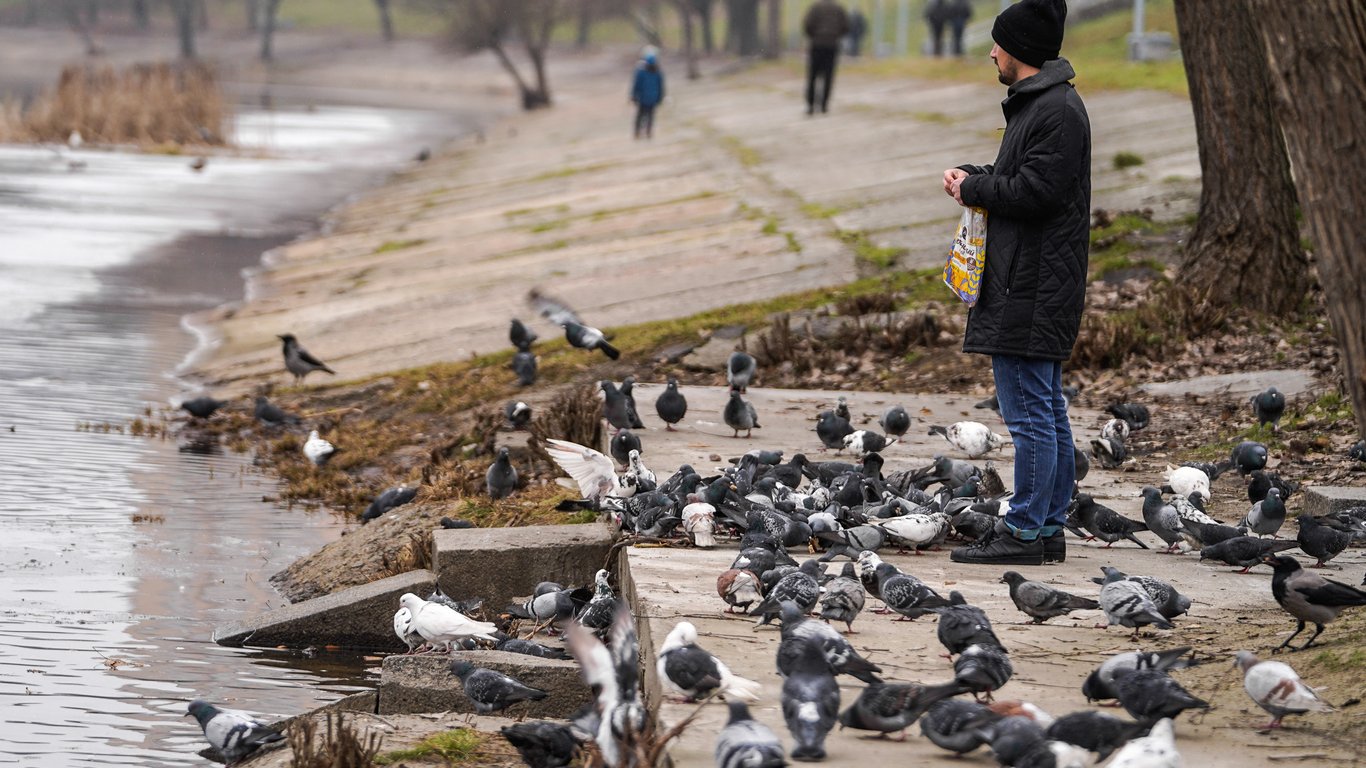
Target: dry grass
151 105
341 746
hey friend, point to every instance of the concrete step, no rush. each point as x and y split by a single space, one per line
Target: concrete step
410 684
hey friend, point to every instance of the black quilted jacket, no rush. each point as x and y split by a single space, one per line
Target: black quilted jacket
1038 200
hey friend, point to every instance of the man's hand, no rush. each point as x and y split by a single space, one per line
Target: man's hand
953 180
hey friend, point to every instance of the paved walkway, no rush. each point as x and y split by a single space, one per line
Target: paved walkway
740 196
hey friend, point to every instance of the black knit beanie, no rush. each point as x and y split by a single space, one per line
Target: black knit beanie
1031 30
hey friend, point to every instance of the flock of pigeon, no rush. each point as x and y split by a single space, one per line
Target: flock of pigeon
852 510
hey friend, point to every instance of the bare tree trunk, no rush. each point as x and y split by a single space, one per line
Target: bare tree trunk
1245 248
386 20
270 9
253 9
183 10
72 12
1317 60
775 29
703 10
744 25
142 18
684 8
585 24
201 14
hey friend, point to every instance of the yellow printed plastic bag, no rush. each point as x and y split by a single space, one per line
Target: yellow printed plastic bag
967 257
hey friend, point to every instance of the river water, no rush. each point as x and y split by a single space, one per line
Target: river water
118 553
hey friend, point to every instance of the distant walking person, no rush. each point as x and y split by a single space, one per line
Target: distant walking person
958 12
936 16
858 27
647 91
825 26
1038 201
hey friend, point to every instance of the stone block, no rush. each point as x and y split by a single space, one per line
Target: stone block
360 618
1321 500
424 683
499 564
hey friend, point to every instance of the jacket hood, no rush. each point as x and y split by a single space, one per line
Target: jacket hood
1052 72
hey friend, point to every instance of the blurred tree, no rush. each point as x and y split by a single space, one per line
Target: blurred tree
253 10
686 10
76 15
1244 249
386 20
478 25
703 10
586 11
1316 57
270 12
775 29
183 10
142 18
742 27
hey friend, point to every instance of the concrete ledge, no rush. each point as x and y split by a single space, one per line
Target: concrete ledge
411 684
499 564
360 617
1326 499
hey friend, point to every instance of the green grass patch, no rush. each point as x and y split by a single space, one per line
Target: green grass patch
865 250
452 746
546 226
389 246
605 213
519 212
745 154
571 170
818 211
937 118
410 19
792 243
1341 661
770 226
1124 160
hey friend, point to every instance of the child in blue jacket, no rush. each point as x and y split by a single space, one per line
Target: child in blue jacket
647 91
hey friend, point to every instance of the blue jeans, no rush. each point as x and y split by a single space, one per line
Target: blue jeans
1030 395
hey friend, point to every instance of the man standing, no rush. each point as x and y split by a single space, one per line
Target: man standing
825 26
1038 200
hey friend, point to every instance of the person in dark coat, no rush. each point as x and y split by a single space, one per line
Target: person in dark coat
647 91
825 25
858 27
936 16
1038 199
957 12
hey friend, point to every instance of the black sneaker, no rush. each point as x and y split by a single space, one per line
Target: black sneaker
999 547
1055 548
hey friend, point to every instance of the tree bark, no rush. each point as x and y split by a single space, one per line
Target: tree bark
584 32
72 12
386 20
201 14
1244 250
142 19
184 24
775 30
685 14
1317 60
253 9
703 10
269 13
744 23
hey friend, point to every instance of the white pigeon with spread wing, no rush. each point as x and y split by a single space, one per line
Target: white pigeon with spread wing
592 470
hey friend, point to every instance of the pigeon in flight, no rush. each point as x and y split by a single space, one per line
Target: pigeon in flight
202 407
687 669
587 337
1042 602
746 742
554 310
592 470
390 499
236 735
740 368
1276 687
492 691
318 450
1308 597
671 405
501 479
298 361
971 437
1268 407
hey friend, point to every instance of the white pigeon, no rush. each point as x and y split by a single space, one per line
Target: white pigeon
1277 688
699 521
1115 429
637 475
1156 750
318 450
403 627
690 671
912 530
863 441
592 470
971 437
444 626
1187 480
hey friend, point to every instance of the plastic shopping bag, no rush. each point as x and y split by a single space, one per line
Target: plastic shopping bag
967 257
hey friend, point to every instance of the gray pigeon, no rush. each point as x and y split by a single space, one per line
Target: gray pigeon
811 702
1309 597
1170 602
1100 684
1244 551
628 386
1042 602
747 743
1011 738
843 598
800 587
740 370
236 735
1162 518
1266 517
888 707
799 631
271 414
1095 732
1320 541
616 408
587 337
501 479
492 691
298 361
524 365
671 405
390 499
1110 452
552 605
531 648
1149 695
621 445
896 421
739 414
521 336
982 668
905 594
1134 414
832 430
864 441
952 724
962 625
202 407
1200 535
1268 407
1248 457
1127 604
1106 524
542 743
